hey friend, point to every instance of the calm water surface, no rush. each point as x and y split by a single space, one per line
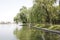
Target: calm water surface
6 31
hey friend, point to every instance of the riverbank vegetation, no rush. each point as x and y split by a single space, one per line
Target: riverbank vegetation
42 14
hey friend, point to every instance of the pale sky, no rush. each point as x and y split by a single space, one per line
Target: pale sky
57 3
9 8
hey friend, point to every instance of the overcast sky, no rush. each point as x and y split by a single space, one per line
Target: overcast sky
9 8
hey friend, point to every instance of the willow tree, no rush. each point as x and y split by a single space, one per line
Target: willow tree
43 11
21 16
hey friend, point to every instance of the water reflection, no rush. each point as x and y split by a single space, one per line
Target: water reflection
6 31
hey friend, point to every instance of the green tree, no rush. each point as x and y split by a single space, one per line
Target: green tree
21 16
41 13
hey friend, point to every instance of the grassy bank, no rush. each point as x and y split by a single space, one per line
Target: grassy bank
27 33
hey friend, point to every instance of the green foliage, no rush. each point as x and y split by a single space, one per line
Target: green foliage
21 16
44 15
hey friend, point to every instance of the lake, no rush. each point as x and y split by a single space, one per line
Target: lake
6 31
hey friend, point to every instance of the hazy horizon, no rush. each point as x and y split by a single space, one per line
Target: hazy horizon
9 8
